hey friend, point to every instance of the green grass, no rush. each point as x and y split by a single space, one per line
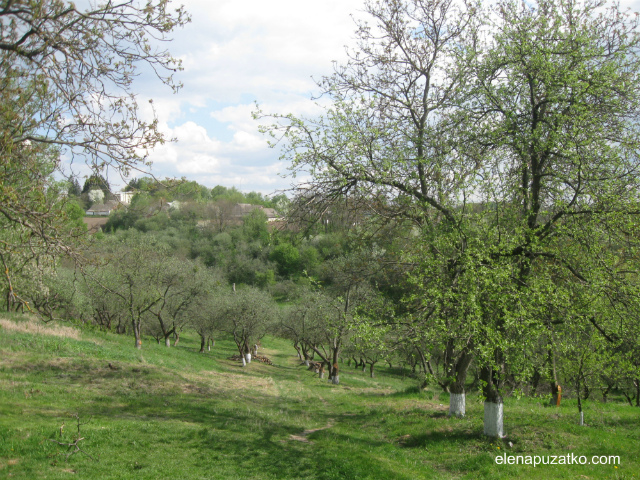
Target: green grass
177 414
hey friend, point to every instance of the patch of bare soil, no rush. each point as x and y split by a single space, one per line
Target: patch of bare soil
232 382
303 436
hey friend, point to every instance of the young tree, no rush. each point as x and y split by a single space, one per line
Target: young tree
134 268
248 315
206 312
298 324
178 288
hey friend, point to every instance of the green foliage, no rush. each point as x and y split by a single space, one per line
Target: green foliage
266 278
53 103
287 258
255 227
74 189
517 168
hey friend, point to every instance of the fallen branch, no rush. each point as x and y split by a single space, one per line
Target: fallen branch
74 443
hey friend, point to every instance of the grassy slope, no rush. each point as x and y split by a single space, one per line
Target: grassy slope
174 413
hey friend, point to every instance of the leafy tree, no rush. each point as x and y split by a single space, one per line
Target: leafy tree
134 276
96 182
74 189
66 87
558 96
248 315
519 149
303 323
96 196
255 226
287 257
208 311
30 240
178 288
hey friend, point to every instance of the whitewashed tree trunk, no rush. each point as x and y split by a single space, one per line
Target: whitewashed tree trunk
167 341
244 362
582 419
248 357
494 419
335 380
306 363
457 405
321 374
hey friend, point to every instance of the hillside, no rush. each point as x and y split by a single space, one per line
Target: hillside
174 413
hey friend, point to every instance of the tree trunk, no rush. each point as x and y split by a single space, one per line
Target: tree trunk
333 367
556 390
457 404
457 394
335 377
167 341
579 400
371 370
248 357
493 405
202 342
494 419
136 334
177 338
535 380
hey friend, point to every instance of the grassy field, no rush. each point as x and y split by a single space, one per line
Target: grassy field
173 413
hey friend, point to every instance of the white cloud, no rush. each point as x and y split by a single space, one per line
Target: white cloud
236 52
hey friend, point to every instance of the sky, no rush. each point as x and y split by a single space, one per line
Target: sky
237 53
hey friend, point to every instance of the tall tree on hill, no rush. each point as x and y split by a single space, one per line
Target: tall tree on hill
555 104
388 138
512 134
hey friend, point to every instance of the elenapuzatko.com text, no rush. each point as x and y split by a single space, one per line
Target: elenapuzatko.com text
568 459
